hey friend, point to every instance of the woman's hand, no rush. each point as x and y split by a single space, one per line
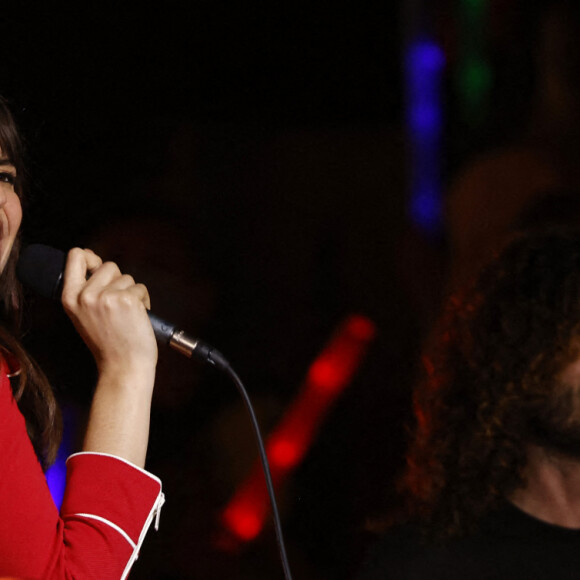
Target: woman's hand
109 311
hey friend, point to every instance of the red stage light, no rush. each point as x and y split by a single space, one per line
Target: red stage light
243 521
328 375
283 453
325 375
361 328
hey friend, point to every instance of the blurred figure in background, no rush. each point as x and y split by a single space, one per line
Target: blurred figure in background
493 468
525 186
488 194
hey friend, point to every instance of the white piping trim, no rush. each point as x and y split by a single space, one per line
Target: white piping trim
155 511
108 523
154 477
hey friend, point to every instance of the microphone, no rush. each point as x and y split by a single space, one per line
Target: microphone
41 269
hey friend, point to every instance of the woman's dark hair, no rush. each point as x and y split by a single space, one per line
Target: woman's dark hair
31 389
490 368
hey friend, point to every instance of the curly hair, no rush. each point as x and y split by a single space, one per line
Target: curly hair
489 368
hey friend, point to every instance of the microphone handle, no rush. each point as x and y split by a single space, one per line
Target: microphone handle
163 330
168 334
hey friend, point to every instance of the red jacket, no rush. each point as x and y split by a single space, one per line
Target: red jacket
108 507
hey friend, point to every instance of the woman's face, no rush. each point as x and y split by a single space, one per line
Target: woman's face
10 209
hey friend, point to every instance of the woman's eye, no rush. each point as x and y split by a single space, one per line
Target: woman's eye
6 177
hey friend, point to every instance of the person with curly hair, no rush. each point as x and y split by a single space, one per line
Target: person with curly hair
492 484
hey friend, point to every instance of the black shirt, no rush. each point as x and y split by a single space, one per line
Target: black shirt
509 544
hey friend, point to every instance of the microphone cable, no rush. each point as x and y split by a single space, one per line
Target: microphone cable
226 368
189 346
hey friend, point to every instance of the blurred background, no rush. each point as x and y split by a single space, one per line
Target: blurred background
299 184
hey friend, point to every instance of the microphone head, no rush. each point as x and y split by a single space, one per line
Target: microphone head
40 268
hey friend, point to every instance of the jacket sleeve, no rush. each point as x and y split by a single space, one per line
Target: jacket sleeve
108 506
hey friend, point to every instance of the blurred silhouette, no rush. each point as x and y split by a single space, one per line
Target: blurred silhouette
487 195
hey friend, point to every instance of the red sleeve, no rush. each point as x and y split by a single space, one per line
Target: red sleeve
108 507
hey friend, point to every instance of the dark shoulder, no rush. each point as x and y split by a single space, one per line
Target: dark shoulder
400 552
507 544
405 552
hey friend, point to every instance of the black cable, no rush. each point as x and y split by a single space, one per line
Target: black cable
219 361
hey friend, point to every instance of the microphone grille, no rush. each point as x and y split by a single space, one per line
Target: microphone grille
40 268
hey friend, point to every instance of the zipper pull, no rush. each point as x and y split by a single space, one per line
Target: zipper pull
160 503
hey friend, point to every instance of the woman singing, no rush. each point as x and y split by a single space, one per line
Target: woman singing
110 500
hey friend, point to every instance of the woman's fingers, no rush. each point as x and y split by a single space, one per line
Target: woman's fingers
141 292
93 261
108 310
79 264
108 280
86 276
125 294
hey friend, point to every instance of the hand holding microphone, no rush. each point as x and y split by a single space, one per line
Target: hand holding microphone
41 268
108 310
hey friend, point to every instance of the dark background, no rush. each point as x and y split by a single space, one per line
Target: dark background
263 145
